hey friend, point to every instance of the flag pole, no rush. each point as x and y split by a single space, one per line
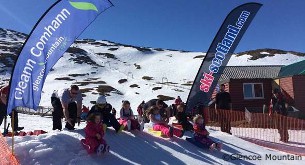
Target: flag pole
13 126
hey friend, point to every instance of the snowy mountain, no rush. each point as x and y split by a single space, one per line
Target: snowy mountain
125 72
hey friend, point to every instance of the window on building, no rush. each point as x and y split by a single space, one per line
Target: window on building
253 91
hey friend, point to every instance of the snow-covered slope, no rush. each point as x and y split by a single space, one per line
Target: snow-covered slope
64 147
91 63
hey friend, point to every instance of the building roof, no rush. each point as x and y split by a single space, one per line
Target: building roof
250 72
297 68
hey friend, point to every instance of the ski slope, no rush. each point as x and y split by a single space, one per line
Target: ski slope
64 147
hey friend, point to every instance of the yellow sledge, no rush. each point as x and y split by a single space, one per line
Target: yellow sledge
156 133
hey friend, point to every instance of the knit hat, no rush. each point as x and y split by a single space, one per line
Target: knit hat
101 100
54 94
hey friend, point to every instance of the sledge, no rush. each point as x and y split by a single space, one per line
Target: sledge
156 133
29 133
177 125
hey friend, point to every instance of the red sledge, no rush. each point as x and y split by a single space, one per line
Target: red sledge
29 133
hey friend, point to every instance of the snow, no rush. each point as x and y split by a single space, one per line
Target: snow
64 147
173 67
277 59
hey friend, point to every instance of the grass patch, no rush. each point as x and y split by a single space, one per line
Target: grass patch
77 75
159 49
134 86
85 90
92 78
165 98
113 49
107 55
147 78
178 90
187 84
167 83
200 56
137 66
257 54
156 88
105 89
84 83
122 81
64 78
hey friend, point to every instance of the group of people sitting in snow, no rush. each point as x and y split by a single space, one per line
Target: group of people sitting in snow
103 115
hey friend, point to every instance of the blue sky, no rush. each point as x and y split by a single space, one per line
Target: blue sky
176 24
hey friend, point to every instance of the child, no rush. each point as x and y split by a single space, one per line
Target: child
201 134
127 118
161 125
94 141
57 113
182 118
85 111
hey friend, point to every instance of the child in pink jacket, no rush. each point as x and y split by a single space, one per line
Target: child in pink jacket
126 117
94 141
160 125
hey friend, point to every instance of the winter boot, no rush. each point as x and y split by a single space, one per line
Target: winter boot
104 127
212 146
120 128
107 148
128 125
100 149
218 146
142 126
171 131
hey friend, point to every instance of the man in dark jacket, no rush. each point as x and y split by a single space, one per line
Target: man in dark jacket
3 109
278 108
223 107
104 109
57 113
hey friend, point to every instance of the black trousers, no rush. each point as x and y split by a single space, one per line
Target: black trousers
2 112
72 109
186 125
225 121
110 120
282 126
56 120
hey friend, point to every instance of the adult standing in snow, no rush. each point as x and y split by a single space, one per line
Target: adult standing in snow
104 109
3 108
222 105
57 113
278 108
71 101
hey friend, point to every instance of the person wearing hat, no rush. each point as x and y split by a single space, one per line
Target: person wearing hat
104 108
57 113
